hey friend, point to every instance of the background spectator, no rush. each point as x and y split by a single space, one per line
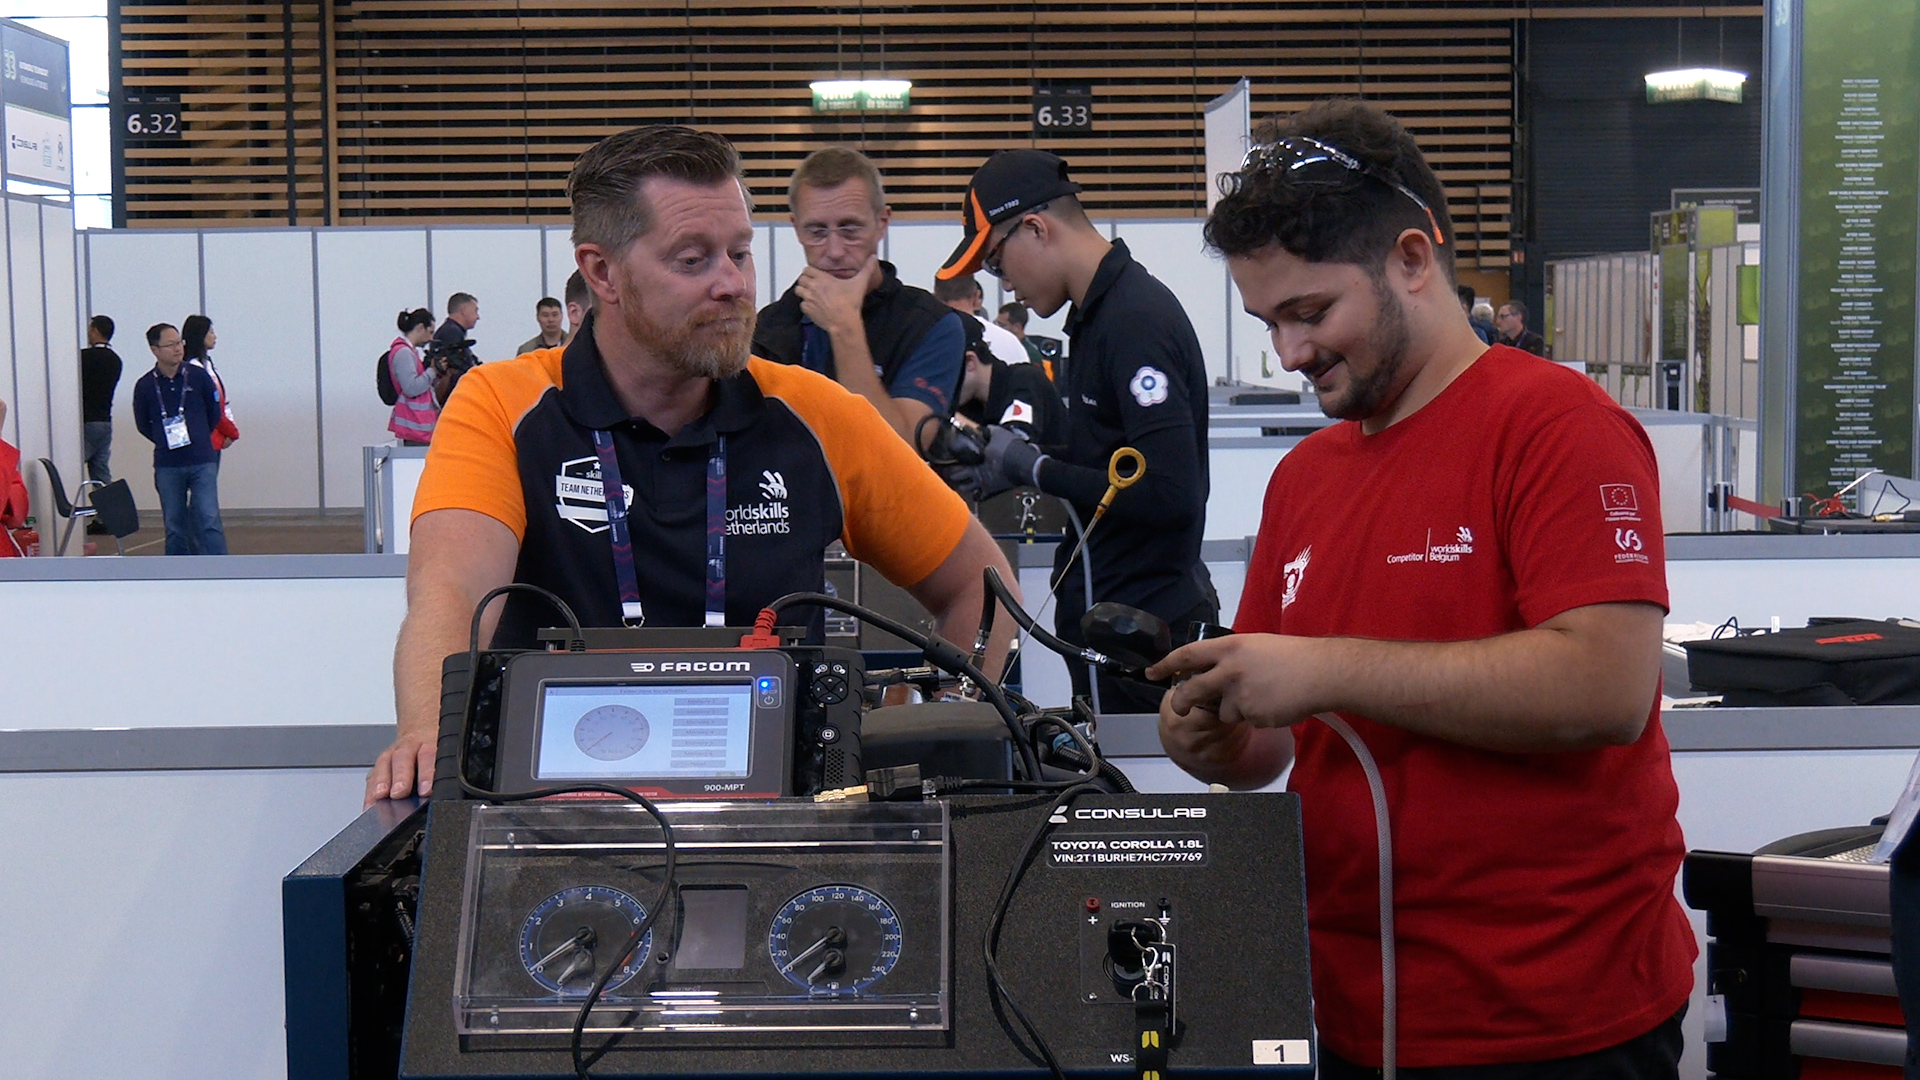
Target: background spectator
176 407
1013 319
416 411
551 335
579 302
14 510
99 377
1512 324
1482 323
963 295
198 339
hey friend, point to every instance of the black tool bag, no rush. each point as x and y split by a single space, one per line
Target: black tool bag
1832 662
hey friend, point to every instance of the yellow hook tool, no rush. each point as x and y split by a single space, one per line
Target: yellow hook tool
1116 483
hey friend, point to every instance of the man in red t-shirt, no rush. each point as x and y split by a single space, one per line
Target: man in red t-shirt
1470 573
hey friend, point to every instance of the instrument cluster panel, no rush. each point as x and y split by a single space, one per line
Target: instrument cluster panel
782 918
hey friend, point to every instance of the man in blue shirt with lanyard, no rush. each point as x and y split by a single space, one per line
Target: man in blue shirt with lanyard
651 470
176 407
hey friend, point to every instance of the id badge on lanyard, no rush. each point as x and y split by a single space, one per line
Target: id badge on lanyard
614 492
175 426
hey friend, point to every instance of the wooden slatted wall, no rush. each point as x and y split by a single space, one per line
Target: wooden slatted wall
473 110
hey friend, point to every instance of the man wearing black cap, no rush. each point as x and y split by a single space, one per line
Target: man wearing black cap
1136 379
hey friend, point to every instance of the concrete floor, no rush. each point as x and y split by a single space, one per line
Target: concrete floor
253 532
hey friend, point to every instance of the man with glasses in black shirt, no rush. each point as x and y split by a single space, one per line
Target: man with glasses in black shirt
848 316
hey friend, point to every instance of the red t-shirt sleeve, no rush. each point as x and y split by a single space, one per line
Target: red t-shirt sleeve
1583 516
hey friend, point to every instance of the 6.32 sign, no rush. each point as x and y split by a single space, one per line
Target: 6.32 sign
151 117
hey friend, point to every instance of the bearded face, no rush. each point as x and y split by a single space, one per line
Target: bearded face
1375 369
714 343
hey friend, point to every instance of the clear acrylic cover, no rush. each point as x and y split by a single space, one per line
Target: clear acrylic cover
786 916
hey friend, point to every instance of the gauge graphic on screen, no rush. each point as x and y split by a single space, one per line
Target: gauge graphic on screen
835 939
568 940
611 732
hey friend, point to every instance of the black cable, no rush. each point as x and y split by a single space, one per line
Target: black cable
994 979
999 590
926 446
939 652
1081 742
580 1064
979 657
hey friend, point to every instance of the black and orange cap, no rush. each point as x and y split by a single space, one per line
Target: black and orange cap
1008 185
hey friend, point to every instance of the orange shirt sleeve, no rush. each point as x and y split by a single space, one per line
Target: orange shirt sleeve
473 460
899 517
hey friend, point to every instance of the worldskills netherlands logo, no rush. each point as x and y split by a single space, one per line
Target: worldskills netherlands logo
769 517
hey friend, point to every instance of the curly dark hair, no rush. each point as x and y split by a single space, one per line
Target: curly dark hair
1357 222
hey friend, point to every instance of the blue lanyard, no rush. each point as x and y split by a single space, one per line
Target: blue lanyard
614 492
162 402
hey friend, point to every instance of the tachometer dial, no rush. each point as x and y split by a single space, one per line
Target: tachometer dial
568 940
835 939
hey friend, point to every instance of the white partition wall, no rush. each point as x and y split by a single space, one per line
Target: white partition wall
1172 252
39 361
556 242
789 258
29 327
60 309
917 249
763 264
266 355
367 277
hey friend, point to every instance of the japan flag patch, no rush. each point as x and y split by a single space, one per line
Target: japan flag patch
1149 386
1017 413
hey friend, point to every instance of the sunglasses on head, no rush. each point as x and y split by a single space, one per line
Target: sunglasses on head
1295 155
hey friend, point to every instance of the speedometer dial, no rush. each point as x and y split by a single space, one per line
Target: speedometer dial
835 939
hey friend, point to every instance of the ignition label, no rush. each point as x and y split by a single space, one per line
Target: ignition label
1128 849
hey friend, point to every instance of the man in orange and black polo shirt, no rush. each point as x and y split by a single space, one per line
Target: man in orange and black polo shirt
727 475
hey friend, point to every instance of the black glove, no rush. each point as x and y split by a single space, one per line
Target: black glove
1011 457
974 483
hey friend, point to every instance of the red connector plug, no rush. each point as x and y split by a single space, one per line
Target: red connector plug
763 636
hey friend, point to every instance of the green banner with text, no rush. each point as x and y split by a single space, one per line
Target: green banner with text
1859 200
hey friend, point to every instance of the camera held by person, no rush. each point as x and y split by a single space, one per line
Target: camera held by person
450 360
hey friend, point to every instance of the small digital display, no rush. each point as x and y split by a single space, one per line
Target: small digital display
594 731
713 934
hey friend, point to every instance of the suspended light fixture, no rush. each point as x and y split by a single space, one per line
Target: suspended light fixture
1683 83
1696 84
861 95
